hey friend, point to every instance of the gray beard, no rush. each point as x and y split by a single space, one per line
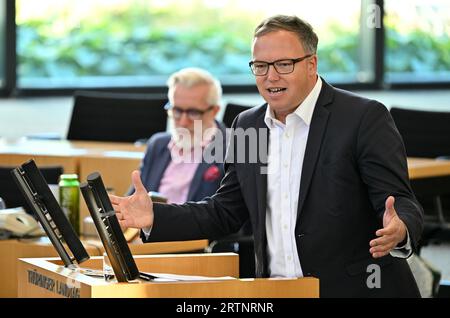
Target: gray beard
185 142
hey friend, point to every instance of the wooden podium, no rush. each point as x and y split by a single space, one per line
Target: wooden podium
12 250
46 277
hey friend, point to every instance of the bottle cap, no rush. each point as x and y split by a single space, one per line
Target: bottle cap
69 176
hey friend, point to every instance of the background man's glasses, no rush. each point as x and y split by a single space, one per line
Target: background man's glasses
285 66
192 113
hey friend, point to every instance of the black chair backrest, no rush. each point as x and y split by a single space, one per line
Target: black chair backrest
231 111
425 133
11 193
102 116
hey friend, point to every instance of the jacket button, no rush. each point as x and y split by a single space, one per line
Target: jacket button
301 235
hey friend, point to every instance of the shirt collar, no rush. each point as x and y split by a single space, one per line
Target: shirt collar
304 111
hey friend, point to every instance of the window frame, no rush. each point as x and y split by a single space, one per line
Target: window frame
9 47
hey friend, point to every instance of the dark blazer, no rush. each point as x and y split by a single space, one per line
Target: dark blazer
157 158
354 160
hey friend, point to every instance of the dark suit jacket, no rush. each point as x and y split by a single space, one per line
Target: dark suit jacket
354 160
157 159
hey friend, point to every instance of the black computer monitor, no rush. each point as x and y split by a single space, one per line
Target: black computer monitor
56 225
108 228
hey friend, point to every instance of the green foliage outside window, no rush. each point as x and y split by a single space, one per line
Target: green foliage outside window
140 41
135 42
417 51
417 39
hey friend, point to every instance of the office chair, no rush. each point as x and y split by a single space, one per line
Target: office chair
102 116
426 134
10 192
231 111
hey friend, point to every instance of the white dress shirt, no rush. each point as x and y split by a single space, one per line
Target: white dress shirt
287 144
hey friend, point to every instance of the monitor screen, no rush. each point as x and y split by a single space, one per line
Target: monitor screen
56 225
107 224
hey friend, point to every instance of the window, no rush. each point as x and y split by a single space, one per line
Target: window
63 45
112 43
417 41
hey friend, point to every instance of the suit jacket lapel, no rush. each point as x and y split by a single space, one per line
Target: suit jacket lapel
203 166
316 132
261 170
197 180
158 169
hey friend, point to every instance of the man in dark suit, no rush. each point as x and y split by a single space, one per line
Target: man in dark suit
173 164
332 200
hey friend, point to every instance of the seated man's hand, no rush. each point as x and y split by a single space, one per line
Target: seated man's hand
392 233
136 210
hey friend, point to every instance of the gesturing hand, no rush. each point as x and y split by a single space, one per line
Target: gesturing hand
392 233
136 210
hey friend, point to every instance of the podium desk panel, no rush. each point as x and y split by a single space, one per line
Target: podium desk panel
47 278
12 250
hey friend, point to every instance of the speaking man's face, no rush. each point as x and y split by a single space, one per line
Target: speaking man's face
284 92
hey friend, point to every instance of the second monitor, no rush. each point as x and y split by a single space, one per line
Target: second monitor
107 224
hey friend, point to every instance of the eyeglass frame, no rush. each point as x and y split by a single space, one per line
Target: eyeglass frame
170 108
294 61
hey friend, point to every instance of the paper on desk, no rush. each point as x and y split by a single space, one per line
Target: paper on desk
164 277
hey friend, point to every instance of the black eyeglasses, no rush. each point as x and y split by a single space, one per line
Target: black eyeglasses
285 66
192 113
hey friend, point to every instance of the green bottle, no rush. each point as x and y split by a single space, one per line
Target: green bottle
69 199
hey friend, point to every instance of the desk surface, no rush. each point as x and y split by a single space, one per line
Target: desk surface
425 168
70 148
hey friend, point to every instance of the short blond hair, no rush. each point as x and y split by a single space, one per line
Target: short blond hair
293 24
192 76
